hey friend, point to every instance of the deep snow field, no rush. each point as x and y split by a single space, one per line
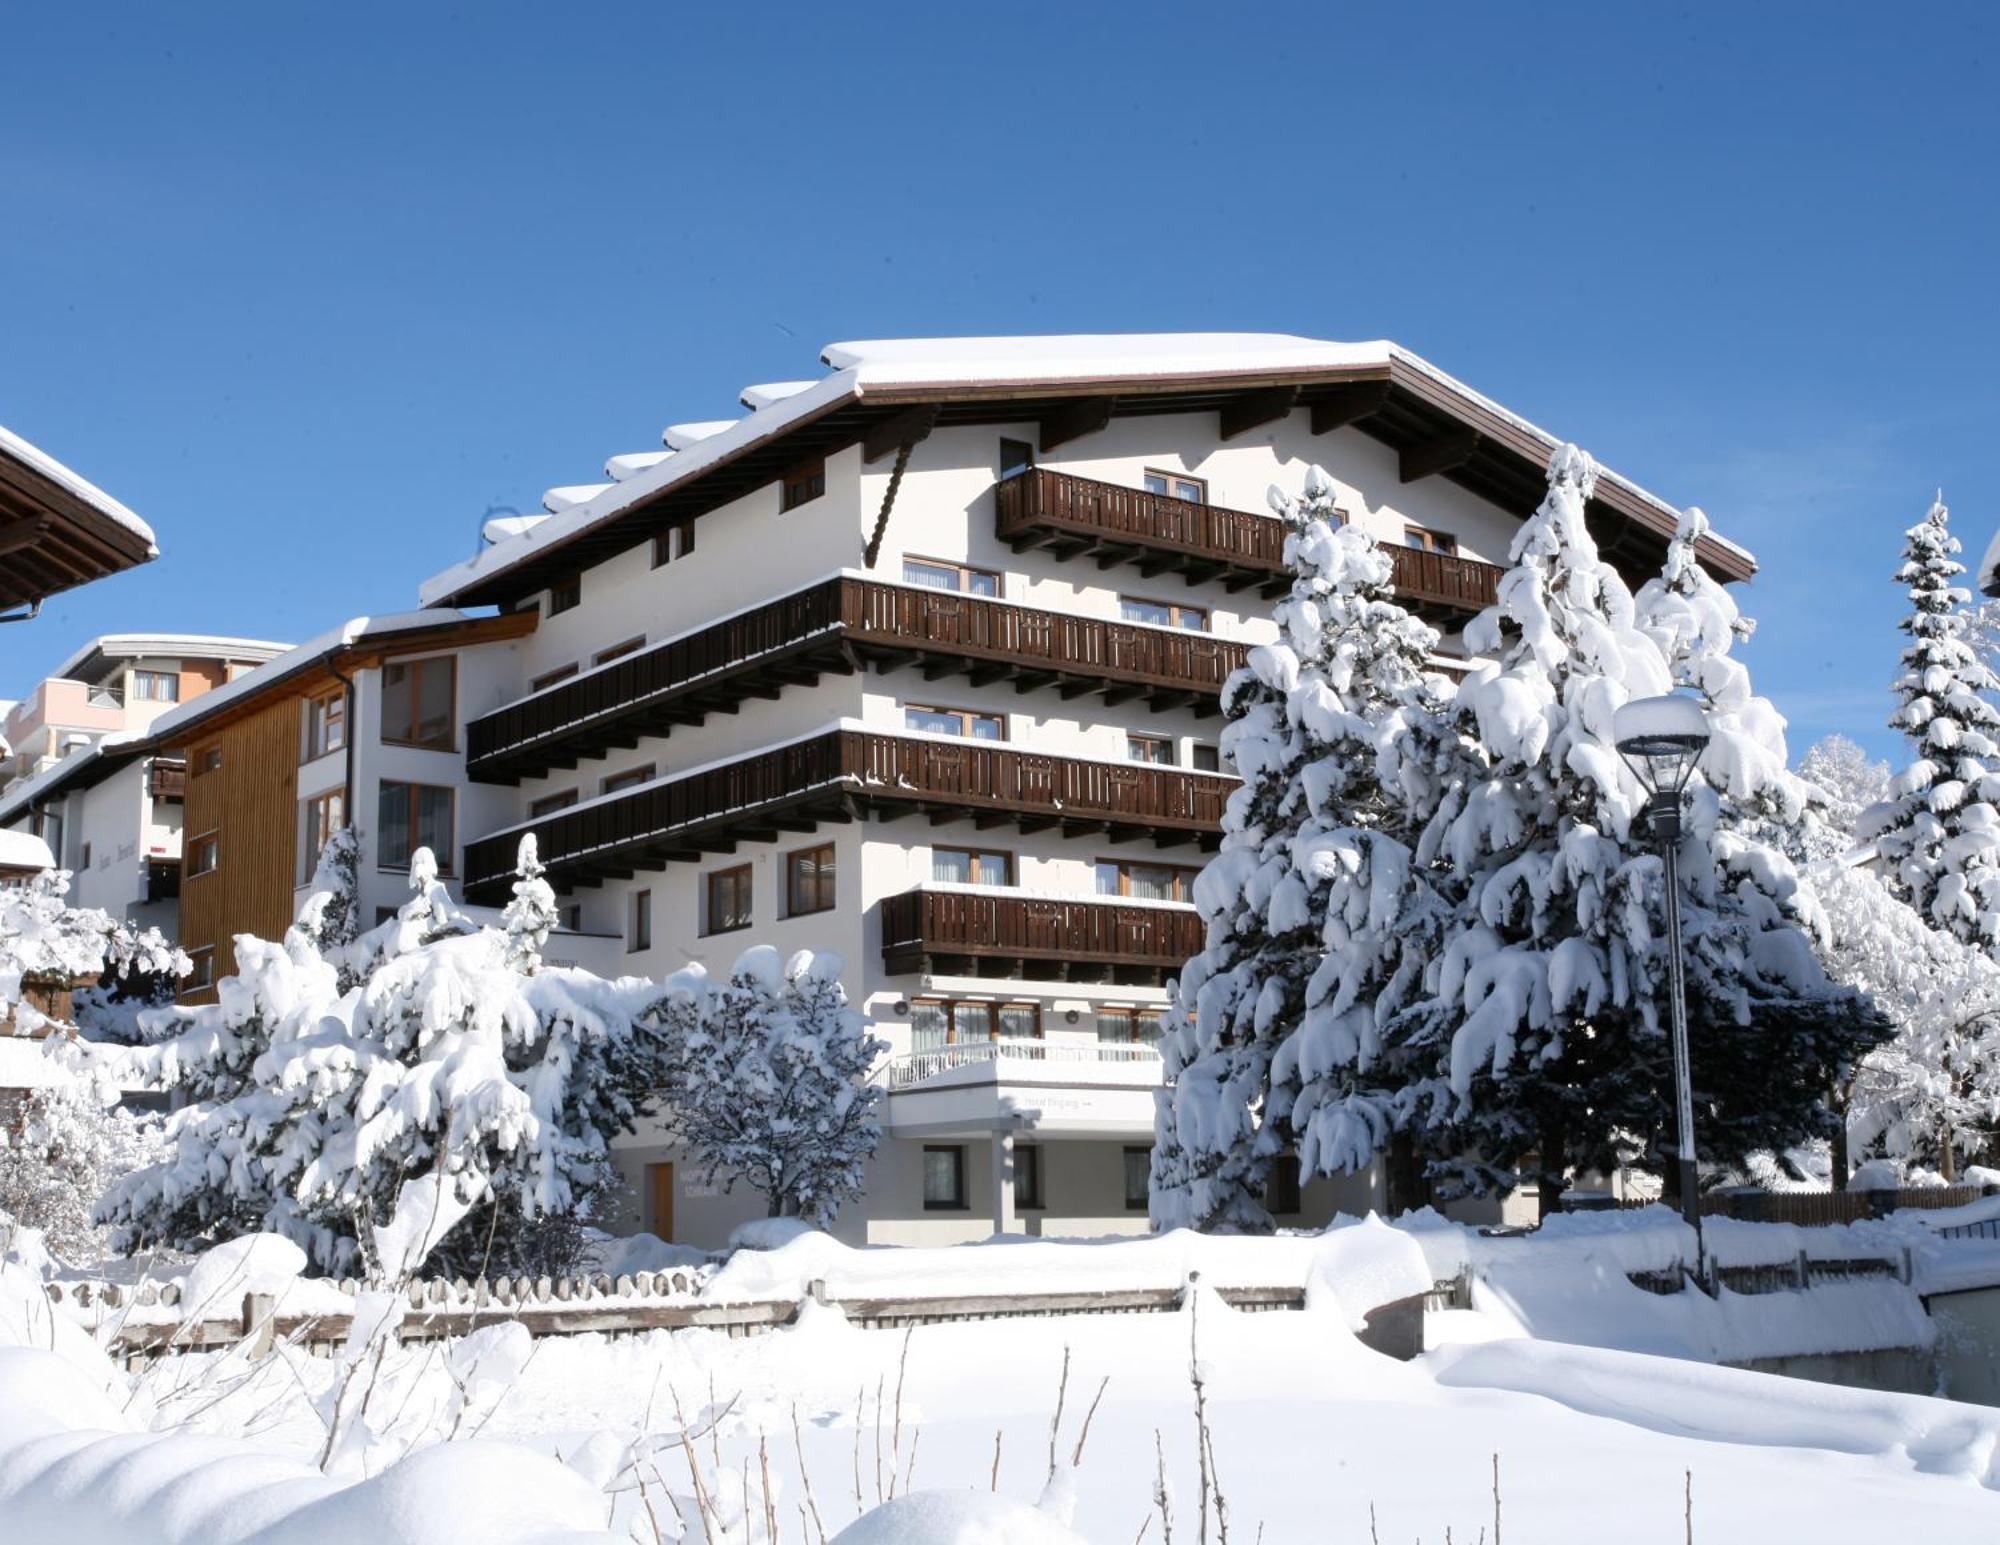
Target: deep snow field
1309 1430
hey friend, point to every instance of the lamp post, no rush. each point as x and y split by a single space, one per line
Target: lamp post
1661 738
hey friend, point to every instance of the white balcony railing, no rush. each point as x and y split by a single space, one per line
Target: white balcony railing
916 1066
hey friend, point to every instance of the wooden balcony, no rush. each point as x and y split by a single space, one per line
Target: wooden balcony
1078 517
838 626
969 933
167 780
843 775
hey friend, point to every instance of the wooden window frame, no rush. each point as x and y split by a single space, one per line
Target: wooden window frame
1175 477
445 860
1430 540
202 972
416 668
959 1200
1144 1202
975 854
1135 737
992 1006
1131 1016
630 646
310 850
211 840
639 921
630 778
964 571
1031 1198
743 874
565 595
205 760
792 892
1174 610
326 719
801 485
552 804
674 543
552 678
1184 876
1195 751
965 717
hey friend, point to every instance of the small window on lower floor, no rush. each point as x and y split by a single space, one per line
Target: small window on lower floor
809 880
1205 758
640 935
1281 1191
86 857
728 900
1138 1178
944 1178
203 974
1028 1177
204 855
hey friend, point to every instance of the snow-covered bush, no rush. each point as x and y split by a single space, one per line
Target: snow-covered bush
58 1153
1937 835
46 941
1845 782
767 1079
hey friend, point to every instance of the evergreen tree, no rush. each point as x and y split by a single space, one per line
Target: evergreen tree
1846 782
1937 836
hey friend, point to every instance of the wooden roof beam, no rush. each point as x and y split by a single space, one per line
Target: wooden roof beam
905 428
1075 419
18 534
1442 453
1253 410
1349 403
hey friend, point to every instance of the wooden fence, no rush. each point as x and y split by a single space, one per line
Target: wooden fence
1812 1209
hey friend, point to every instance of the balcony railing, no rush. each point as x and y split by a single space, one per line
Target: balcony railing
833 626
1074 516
837 775
916 1066
167 780
1051 938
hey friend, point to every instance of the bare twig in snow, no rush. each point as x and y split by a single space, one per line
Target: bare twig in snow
996 1459
1160 1499
1055 1423
805 1480
1496 1500
1083 1437
881 1384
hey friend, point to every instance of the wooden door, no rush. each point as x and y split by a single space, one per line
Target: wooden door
660 1200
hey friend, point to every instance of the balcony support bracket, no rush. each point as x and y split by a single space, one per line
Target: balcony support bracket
1073 420
1443 453
1253 410
1346 404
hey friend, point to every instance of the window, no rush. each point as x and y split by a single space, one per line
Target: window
1429 541
944 1178
326 724
418 703
1205 758
207 760
86 857
1163 614
560 673
325 814
156 687
1138 1178
1281 1190
728 900
936 1022
1016 457
619 651
549 804
571 917
1028 1177
1149 882
204 855
809 880
631 778
203 974
1155 749
412 816
1176 485
802 485
677 541
639 935
1129 1027
969 723
943 574
971 866
565 594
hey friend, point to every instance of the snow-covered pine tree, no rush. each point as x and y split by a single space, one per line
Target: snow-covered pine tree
768 1082
1316 920
1846 782
1937 836
531 916
1547 1011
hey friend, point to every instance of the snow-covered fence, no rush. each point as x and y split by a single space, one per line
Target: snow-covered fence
1781 1276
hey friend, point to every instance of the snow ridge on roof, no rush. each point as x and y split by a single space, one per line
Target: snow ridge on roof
81 486
203 645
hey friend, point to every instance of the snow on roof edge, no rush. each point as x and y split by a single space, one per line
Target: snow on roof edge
100 643
34 456
24 850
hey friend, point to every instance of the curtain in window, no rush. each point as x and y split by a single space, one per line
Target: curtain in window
1019 1021
951 868
929 1028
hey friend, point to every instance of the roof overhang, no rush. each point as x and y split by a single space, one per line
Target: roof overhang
58 531
1437 426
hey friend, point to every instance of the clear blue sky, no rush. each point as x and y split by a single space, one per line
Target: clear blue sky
312 286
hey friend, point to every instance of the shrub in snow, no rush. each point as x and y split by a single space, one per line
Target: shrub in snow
1844 783
425 1090
44 940
1937 835
1546 1013
60 1151
1317 922
768 1079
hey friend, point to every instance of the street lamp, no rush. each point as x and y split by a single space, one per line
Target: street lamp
1662 738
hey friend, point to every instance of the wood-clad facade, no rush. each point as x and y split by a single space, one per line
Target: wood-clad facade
247 802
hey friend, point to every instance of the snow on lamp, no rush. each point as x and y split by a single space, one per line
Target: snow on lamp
1661 739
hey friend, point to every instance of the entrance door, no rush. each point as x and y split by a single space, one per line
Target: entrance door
660 1200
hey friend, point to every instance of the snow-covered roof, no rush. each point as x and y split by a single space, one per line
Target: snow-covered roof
192 646
41 461
24 850
114 748
895 368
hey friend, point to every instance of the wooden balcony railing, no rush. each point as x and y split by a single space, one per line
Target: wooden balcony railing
832 627
167 780
1075 516
836 776
1057 938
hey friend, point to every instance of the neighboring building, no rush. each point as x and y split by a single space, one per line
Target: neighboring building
365 722
77 771
920 662
58 531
